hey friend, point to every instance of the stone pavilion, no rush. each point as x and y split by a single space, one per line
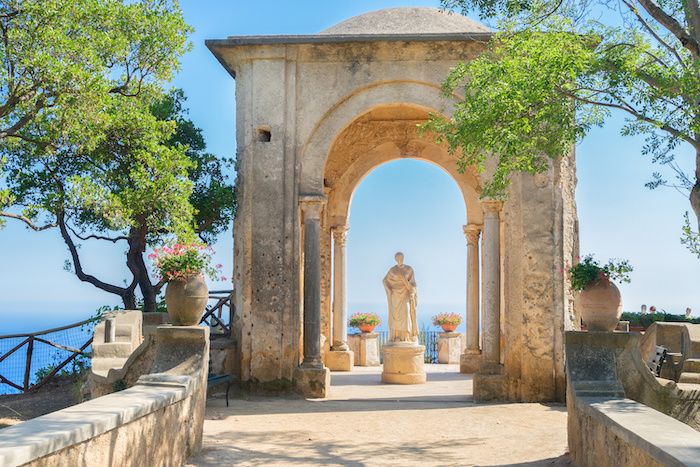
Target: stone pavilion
317 113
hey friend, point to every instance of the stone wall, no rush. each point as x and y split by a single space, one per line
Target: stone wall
157 422
605 426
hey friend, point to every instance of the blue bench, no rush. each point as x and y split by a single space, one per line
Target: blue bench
217 380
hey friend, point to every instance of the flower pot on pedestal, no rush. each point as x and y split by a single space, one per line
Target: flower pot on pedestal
186 300
601 305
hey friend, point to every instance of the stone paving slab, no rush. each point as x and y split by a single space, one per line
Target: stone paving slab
366 423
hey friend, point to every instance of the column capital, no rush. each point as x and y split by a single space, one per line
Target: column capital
472 232
492 206
312 205
340 233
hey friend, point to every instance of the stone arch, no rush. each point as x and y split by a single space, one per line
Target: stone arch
417 97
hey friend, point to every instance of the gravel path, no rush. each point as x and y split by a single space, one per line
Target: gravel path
368 423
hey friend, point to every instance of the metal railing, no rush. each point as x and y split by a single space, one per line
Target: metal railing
219 313
27 351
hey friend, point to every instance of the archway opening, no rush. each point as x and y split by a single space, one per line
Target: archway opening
414 207
407 195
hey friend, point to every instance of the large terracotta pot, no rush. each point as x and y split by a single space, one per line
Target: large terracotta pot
186 300
601 305
367 328
448 327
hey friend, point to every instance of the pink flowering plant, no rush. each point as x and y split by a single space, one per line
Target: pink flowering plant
358 319
184 260
450 319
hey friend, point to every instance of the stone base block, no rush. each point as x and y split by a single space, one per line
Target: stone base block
469 362
340 360
313 382
449 347
366 348
490 385
404 364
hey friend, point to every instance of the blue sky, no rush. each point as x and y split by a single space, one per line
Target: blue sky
421 211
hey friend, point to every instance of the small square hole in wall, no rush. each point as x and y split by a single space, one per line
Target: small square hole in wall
263 134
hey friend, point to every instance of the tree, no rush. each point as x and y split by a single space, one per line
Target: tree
141 185
559 67
61 61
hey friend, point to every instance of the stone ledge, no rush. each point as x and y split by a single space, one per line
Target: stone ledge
53 432
640 428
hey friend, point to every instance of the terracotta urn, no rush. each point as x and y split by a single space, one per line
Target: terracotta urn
367 328
448 327
186 300
601 305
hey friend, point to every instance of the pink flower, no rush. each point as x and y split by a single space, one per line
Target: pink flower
219 266
223 278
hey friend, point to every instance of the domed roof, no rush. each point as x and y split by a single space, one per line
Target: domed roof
406 20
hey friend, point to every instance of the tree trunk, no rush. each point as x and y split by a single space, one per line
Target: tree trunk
137 266
129 299
695 192
126 293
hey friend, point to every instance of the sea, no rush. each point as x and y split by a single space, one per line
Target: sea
43 318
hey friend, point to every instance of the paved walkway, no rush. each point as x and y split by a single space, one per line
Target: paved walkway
365 422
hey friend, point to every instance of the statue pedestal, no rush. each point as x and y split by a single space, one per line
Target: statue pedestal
365 346
449 347
404 363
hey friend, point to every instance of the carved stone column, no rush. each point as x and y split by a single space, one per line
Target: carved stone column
470 359
312 378
340 329
311 208
340 358
491 327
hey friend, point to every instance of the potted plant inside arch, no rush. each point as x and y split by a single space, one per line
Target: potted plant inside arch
365 322
183 267
599 298
447 321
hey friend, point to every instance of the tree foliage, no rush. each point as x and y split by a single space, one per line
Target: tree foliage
91 145
558 67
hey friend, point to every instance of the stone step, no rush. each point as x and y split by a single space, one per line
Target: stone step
691 365
693 378
112 350
101 366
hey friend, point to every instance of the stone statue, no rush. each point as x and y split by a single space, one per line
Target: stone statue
402 297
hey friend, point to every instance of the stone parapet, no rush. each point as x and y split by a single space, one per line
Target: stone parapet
156 422
606 427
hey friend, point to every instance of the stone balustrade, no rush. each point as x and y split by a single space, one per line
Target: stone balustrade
156 422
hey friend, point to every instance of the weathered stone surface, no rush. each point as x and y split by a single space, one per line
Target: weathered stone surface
365 346
449 347
605 427
489 386
404 364
470 362
340 360
611 364
313 382
157 422
331 111
406 20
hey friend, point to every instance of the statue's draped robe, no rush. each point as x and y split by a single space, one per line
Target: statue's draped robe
400 286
